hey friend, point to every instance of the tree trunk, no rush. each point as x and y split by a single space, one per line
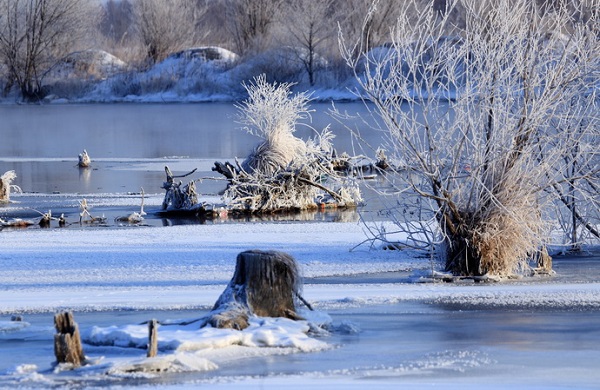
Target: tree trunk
152 338
67 341
264 284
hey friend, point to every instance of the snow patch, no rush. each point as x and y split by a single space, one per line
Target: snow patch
262 332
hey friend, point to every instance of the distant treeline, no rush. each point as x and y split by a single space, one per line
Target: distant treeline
293 40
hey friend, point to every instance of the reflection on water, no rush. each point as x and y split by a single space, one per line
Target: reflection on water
109 212
341 215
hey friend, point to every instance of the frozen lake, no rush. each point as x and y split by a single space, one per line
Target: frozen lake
385 328
388 326
410 344
43 141
389 334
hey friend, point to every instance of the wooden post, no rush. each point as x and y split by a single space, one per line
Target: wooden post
67 341
152 338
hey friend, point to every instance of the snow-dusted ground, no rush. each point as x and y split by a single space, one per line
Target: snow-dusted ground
375 325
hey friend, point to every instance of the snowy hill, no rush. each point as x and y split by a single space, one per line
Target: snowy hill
197 74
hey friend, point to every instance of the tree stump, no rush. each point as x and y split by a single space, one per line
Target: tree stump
5 185
264 284
152 338
544 261
67 341
84 159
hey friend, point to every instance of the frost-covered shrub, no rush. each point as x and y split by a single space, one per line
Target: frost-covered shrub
125 84
279 65
285 172
475 122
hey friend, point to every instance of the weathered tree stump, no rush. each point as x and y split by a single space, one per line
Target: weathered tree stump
84 159
264 284
45 220
152 338
5 185
67 341
544 261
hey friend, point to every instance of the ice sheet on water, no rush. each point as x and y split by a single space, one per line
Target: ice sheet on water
12 326
149 367
182 348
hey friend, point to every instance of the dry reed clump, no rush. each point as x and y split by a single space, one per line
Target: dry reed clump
506 239
284 172
506 230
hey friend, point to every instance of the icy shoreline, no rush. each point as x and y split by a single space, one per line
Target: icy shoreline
389 328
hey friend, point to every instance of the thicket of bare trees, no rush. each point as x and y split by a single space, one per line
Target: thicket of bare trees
117 31
290 41
164 27
35 35
249 23
116 21
482 170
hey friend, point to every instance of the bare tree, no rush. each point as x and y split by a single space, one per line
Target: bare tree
468 118
117 19
36 34
250 23
166 26
368 21
310 25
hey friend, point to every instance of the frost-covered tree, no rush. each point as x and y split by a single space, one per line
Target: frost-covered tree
36 34
471 121
578 193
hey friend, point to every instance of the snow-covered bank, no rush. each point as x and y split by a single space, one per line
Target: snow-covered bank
390 327
188 266
104 262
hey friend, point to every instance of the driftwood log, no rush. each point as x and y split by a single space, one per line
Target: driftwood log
67 341
265 284
179 196
226 169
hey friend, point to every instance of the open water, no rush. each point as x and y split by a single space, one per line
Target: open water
130 144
